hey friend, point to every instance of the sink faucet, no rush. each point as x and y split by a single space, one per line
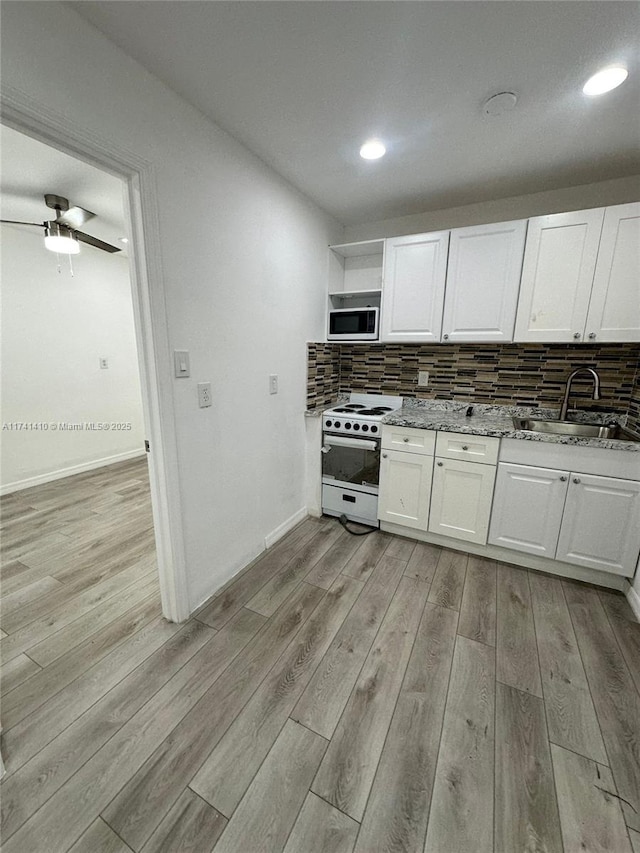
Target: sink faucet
567 391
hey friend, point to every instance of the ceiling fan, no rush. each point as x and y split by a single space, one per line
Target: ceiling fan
61 234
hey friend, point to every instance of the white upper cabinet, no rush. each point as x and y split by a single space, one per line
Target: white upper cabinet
557 276
483 280
614 310
415 270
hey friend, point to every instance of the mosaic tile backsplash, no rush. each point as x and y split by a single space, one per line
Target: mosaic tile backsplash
634 405
323 374
502 374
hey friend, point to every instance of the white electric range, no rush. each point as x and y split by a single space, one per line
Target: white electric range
351 456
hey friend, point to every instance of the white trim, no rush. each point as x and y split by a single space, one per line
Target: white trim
61 473
634 600
282 529
28 116
518 558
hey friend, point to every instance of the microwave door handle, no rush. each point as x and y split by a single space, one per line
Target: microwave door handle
359 443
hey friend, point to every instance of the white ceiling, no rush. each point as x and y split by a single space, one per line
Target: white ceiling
303 84
30 169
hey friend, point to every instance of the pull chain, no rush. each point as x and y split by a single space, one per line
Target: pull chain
70 266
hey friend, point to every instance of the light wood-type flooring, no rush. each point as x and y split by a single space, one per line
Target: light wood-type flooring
342 694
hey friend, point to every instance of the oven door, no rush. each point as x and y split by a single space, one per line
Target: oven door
351 462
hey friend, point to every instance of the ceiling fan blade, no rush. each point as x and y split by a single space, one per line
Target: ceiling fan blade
93 241
18 222
74 217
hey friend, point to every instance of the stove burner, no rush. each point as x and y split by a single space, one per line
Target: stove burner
356 406
377 410
342 409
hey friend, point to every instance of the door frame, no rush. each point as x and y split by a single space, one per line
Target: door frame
150 316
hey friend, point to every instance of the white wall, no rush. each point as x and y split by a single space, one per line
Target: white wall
54 330
618 191
244 265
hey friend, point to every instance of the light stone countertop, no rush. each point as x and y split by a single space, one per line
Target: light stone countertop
447 416
450 416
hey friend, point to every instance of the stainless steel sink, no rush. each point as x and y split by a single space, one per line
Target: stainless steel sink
614 431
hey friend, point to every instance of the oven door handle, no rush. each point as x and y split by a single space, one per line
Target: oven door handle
360 443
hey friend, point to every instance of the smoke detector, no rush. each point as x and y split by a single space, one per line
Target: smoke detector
500 103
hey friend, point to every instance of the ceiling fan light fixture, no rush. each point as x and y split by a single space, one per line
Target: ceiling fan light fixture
605 80
58 238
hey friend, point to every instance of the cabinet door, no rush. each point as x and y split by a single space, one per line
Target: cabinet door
415 269
601 524
461 499
527 509
483 280
614 310
557 275
405 488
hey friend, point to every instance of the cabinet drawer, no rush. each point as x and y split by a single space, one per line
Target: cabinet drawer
474 448
406 438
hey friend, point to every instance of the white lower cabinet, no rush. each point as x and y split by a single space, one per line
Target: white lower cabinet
461 499
601 524
405 488
582 519
588 520
527 508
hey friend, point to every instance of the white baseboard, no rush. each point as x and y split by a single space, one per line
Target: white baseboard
634 600
69 472
518 558
271 538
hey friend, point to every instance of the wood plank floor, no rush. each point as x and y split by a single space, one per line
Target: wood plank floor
342 694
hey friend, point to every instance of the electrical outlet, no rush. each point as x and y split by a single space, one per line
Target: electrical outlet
423 378
204 394
273 383
104 364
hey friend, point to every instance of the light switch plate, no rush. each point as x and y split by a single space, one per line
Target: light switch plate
181 366
273 383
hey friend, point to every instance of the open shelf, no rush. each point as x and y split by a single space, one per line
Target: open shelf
358 250
351 294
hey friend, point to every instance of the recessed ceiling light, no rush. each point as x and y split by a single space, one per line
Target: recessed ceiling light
372 149
123 239
605 80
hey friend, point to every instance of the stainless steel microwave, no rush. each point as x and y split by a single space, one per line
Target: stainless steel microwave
353 324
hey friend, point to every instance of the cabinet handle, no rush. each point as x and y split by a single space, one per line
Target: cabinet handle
445 337
592 335
465 446
384 455
405 440
440 464
576 480
577 336
563 479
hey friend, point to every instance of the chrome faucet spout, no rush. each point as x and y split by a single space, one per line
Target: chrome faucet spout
567 391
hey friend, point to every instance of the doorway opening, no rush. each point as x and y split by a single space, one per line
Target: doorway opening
77 451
